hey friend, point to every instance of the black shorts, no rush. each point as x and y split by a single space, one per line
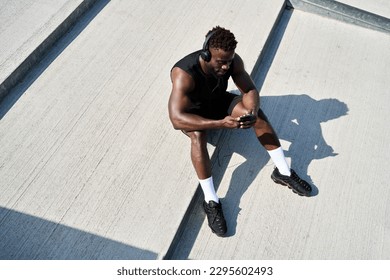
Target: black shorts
217 108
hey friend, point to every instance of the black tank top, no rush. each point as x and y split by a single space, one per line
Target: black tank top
207 88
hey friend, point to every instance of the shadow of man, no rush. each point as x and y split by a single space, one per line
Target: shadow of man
296 119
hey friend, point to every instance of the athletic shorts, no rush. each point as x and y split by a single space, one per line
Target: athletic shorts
218 108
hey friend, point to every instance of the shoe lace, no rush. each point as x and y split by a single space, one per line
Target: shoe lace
301 182
216 215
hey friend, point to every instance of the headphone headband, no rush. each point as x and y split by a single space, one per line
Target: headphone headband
206 41
205 54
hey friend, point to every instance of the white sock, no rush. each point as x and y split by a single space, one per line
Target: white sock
279 160
208 190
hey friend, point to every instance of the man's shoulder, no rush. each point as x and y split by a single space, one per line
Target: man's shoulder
187 67
188 61
194 54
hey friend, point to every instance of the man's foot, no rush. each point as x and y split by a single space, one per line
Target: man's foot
295 183
215 217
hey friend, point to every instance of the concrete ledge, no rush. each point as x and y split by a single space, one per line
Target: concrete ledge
343 12
13 76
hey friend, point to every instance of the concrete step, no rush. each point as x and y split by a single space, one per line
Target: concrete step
377 7
91 167
373 14
28 29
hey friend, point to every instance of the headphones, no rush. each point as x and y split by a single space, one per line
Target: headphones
205 54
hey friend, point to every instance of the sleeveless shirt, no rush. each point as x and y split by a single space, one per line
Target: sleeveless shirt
207 88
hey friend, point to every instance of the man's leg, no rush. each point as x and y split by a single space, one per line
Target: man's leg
263 129
268 138
202 164
199 155
201 161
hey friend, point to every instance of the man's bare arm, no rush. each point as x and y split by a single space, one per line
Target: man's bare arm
182 83
246 86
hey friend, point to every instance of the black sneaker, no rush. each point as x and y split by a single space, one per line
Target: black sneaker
215 217
295 183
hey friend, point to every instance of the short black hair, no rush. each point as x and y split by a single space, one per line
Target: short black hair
222 39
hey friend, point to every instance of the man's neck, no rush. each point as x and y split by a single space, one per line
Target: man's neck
205 70
203 67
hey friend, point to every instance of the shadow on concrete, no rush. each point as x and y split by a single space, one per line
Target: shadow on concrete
297 119
25 237
55 50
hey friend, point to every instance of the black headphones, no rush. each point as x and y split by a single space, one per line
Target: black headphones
205 54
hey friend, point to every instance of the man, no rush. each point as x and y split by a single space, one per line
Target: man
199 102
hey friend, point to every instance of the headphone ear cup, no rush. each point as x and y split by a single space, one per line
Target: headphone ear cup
206 55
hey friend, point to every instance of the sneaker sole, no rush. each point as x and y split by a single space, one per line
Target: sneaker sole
283 184
219 235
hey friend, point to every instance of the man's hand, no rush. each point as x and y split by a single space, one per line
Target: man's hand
247 120
230 122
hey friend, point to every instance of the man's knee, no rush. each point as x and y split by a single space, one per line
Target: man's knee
198 138
262 123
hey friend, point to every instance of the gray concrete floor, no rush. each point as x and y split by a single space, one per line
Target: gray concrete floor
91 168
28 29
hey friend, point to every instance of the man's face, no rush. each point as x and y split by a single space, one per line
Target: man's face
220 61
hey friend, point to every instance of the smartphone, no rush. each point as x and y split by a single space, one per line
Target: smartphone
247 118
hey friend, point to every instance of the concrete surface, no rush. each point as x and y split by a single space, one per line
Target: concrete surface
379 7
91 167
27 30
368 14
326 93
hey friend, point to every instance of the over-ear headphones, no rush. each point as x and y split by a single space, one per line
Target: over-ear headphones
205 54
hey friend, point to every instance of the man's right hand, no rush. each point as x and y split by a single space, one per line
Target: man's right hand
230 122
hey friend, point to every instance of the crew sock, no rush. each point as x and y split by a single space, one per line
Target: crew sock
207 186
279 160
